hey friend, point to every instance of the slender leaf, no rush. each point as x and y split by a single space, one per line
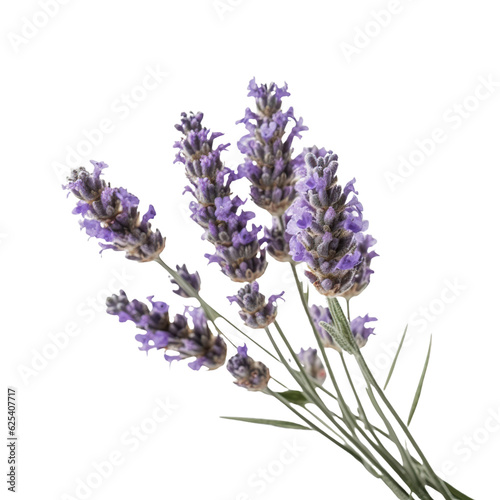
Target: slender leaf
395 358
275 423
296 397
338 336
343 326
458 494
420 384
338 314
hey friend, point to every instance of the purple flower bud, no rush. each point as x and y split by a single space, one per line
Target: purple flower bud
268 164
86 186
363 273
278 240
324 222
173 335
250 374
255 311
112 215
193 279
312 364
359 331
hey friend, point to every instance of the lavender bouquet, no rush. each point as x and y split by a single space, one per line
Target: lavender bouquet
313 220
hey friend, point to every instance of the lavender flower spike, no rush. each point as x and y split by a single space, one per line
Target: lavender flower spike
269 165
362 276
255 311
250 374
111 214
162 332
237 246
324 222
312 364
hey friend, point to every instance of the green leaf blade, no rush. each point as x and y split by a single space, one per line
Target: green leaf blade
395 358
456 493
338 315
295 397
275 423
338 336
420 384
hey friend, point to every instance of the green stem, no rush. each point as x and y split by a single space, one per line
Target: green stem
378 446
416 483
372 381
278 382
356 442
393 485
309 390
346 412
313 426
319 419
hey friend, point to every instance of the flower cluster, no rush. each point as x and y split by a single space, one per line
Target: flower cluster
324 222
255 311
269 165
359 331
163 332
250 374
313 365
237 247
112 215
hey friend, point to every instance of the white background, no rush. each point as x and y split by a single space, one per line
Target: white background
437 226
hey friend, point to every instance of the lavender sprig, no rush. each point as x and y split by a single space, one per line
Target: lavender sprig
237 248
269 165
175 334
255 311
112 214
324 222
